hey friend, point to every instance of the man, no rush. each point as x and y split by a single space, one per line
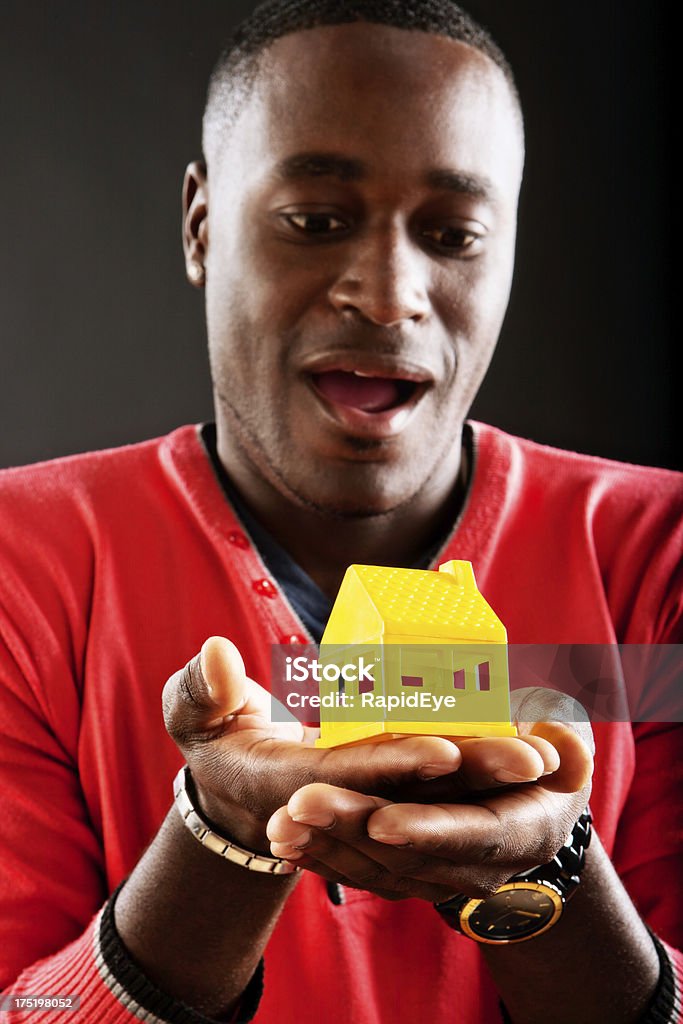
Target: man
354 229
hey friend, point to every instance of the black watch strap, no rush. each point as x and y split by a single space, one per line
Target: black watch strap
563 872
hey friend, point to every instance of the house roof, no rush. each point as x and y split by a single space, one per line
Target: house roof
444 605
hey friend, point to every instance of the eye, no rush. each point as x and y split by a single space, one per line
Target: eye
315 223
454 240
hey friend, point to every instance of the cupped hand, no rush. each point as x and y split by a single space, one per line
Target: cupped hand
245 766
472 840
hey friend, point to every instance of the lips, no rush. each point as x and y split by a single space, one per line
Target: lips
368 396
365 392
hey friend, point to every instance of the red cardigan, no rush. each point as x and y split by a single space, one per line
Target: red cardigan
114 568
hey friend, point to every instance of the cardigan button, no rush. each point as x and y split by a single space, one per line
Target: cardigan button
237 538
294 638
264 587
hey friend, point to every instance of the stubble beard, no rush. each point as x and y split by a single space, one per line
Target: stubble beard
254 454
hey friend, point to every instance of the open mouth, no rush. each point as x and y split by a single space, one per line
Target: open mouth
365 392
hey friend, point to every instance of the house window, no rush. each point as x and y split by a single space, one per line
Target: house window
459 679
483 677
412 680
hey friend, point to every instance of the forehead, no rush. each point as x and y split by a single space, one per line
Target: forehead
390 98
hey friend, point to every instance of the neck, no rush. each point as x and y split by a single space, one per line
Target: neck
324 545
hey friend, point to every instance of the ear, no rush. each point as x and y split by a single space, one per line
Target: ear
195 222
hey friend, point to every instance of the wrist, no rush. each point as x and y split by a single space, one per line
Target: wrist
530 902
600 936
230 819
220 843
151 992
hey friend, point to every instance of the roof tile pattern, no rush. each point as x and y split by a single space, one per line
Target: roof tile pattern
430 604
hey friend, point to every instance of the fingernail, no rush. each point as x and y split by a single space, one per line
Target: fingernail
503 775
285 850
323 819
434 771
390 839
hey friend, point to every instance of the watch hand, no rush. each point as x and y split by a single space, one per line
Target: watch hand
513 913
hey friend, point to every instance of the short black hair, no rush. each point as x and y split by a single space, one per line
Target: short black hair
237 67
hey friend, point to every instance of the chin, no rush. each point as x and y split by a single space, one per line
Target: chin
361 490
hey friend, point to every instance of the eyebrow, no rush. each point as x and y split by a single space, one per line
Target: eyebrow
318 165
467 184
331 165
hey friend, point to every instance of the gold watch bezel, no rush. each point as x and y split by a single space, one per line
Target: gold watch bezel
545 887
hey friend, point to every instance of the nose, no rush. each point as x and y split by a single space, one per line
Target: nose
383 280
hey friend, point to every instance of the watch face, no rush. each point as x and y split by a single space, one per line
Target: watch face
515 912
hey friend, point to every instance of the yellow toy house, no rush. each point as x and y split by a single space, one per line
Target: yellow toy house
428 636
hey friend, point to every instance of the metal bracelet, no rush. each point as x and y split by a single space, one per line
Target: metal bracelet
219 844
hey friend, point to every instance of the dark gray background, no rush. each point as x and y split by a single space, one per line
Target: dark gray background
103 342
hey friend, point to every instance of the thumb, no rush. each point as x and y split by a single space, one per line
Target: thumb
221 669
210 689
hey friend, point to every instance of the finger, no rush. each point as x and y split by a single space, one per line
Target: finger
323 806
402 891
343 847
339 837
212 691
253 771
378 768
330 824
355 870
287 835
488 762
362 864
542 704
211 687
560 720
523 828
550 756
222 668
576 759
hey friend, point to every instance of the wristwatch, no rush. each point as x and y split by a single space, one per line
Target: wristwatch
529 903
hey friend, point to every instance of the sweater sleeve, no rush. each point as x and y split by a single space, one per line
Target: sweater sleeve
58 936
648 852
52 882
101 983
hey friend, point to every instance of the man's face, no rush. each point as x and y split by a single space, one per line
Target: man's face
361 226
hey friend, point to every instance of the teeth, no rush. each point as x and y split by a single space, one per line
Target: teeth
358 373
